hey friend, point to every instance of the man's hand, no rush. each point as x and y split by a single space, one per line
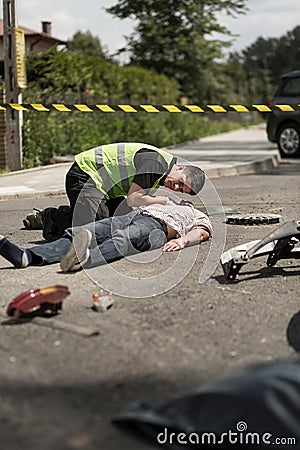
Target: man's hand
173 245
138 197
195 236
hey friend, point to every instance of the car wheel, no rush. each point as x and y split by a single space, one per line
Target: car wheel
289 140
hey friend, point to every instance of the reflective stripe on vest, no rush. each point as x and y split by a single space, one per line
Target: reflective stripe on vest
112 167
102 172
115 168
123 167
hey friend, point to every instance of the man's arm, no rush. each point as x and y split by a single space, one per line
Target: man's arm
193 237
150 166
138 197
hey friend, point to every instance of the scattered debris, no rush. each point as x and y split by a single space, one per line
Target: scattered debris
39 301
47 302
102 302
66 326
54 324
252 219
280 244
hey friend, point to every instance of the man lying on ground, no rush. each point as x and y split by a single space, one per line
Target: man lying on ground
102 178
171 227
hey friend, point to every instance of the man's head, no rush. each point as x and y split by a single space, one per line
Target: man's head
187 179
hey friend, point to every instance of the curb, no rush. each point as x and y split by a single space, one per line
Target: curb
35 169
33 195
254 167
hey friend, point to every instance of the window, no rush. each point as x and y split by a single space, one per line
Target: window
291 87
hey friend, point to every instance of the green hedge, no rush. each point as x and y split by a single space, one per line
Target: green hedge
53 134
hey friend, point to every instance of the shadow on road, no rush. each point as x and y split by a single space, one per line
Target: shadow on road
265 272
76 416
287 167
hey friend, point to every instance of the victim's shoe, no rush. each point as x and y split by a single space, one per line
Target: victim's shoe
17 256
79 252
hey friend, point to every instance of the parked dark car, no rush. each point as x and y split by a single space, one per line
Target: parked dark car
284 127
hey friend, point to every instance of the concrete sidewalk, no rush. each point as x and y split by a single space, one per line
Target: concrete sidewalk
242 151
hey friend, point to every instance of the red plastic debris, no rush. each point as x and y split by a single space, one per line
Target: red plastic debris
39 301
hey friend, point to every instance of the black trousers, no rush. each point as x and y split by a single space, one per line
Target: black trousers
87 203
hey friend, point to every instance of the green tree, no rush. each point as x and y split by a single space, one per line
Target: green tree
237 77
266 60
287 53
86 43
77 77
174 37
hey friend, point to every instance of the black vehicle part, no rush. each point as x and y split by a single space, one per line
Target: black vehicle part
252 219
289 140
280 244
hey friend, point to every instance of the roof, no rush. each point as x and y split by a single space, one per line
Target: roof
293 74
28 32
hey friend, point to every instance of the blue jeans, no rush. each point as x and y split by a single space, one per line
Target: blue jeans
113 239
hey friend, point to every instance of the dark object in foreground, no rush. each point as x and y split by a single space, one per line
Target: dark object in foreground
277 245
39 301
252 409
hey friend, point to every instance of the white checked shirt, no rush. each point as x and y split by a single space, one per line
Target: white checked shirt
181 218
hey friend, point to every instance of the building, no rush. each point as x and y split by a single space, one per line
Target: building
36 41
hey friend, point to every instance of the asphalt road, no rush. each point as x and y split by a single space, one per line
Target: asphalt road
61 390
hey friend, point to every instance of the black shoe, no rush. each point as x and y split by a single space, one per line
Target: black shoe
51 231
33 221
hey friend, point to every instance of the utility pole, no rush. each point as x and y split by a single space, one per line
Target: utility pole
13 121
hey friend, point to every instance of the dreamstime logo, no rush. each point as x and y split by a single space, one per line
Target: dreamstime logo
153 272
241 426
238 437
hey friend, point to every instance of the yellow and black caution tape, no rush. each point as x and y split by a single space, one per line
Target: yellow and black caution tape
110 108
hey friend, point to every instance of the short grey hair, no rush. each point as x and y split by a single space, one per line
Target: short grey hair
197 177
